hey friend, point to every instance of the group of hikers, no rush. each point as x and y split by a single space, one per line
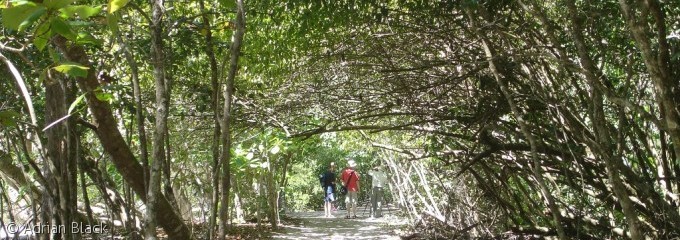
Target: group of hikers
349 187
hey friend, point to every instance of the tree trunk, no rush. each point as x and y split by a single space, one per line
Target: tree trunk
235 52
139 118
83 190
59 146
139 108
271 195
158 62
70 171
167 167
214 99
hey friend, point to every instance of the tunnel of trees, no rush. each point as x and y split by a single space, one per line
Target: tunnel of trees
495 118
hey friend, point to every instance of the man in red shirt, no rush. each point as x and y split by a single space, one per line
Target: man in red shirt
350 179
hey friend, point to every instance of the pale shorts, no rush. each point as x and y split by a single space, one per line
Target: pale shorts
351 198
329 194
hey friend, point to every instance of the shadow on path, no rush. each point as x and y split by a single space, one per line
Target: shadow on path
313 225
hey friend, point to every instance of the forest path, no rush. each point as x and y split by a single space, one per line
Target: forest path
313 225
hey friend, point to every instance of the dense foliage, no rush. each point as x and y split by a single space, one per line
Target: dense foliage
494 118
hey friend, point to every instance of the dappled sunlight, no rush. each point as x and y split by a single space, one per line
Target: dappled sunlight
315 226
243 119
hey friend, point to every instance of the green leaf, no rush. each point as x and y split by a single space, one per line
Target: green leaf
57 4
72 69
75 103
83 11
112 21
104 96
54 55
115 5
62 28
42 76
21 16
8 118
41 36
86 38
228 4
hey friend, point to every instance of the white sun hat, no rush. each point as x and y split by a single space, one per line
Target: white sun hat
351 163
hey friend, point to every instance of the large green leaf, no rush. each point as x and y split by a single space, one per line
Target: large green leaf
41 36
72 69
21 16
83 11
62 28
115 5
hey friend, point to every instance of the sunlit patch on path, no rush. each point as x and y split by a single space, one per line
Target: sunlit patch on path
313 225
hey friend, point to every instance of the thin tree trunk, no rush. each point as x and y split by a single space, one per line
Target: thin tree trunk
141 129
83 190
139 113
284 168
158 62
167 171
281 195
426 186
401 187
271 195
167 167
214 99
235 52
667 174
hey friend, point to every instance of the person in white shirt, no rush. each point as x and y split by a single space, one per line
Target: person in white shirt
378 183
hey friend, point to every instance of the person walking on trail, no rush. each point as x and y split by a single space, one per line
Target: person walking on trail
328 184
350 180
378 183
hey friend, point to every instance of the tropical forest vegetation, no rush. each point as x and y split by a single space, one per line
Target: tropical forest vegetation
189 119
